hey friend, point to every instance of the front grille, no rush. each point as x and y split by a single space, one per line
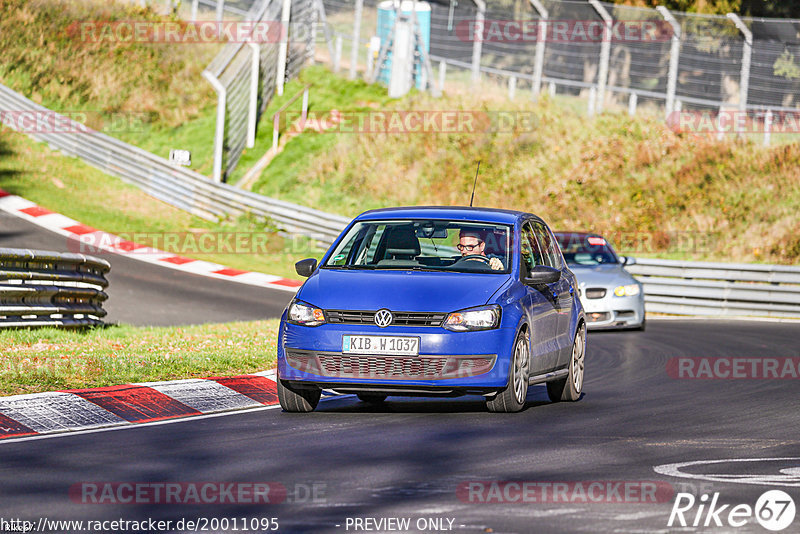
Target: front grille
595 293
399 318
337 365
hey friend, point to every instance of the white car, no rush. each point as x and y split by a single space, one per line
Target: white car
611 296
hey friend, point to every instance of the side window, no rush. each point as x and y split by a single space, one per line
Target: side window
549 247
531 253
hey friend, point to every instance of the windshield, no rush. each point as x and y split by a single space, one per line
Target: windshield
580 249
430 245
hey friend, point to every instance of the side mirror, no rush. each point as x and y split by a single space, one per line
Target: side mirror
542 274
628 260
306 267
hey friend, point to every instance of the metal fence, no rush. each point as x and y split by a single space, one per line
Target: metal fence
39 288
694 62
180 187
719 289
246 75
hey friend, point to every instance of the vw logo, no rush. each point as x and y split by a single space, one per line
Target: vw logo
383 318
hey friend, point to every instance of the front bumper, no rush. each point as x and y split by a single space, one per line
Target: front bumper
447 361
612 312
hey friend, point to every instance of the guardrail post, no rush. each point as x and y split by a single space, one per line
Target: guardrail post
283 48
512 87
442 73
477 42
605 53
552 89
632 101
592 101
219 133
541 39
674 58
747 52
337 56
252 112
767 126
356 39
304 113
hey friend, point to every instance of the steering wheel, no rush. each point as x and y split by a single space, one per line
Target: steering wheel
475 257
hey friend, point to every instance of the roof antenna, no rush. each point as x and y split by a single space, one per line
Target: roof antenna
474 184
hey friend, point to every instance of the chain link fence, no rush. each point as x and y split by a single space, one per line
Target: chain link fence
680 61
246 75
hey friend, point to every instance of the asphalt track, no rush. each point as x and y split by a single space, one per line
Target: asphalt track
145 294
408 458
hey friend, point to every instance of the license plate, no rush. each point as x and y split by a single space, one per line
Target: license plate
387 345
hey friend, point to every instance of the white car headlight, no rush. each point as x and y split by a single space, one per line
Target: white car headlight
630 290
482 318
304 314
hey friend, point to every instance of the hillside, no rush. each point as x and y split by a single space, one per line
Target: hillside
650 189
147 93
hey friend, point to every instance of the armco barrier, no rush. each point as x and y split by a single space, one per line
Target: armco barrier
40 288
180 187
719 289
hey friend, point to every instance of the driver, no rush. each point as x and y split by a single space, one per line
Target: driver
472 243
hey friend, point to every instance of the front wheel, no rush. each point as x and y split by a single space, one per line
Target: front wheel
512 398
296 399
569 388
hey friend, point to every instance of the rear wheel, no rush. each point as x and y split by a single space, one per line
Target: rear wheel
297 399
372 398
569 388
512 398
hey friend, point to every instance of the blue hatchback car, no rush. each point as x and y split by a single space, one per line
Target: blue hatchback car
435 301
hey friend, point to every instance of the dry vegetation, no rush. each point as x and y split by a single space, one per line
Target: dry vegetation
46 57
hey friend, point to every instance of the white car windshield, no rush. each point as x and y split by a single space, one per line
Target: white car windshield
425 244
581 249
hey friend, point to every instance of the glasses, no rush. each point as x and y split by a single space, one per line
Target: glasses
469 248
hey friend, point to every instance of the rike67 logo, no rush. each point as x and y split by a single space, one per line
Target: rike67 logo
774 510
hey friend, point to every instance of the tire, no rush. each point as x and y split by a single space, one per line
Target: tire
297 400
569 388
371 398
512 398
640 328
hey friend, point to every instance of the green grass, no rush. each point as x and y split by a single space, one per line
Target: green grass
327 93
40 360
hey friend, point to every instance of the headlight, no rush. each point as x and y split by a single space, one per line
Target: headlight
301 313
483 318
630 290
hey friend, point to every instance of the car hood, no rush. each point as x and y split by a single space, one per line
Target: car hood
399 290
608 275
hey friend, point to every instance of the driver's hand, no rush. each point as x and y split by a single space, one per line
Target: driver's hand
496 264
